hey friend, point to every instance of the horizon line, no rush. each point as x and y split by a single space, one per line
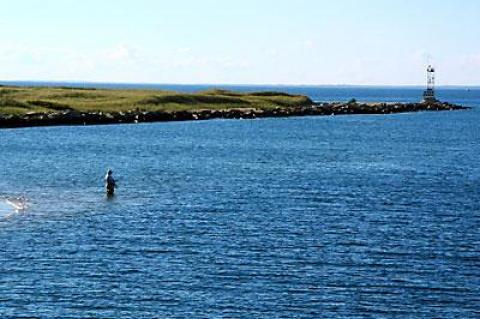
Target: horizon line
78 82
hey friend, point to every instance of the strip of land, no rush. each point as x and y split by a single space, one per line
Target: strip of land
42 106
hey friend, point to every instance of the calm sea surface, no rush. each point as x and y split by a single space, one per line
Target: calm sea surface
312 217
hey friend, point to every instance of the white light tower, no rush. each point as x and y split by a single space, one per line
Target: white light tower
429 93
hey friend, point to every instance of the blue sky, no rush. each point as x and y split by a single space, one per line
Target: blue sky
369 42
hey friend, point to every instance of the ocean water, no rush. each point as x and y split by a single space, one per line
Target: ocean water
359 216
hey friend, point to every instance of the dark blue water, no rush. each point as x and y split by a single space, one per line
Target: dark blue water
312 217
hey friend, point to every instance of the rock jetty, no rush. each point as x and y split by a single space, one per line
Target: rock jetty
72 117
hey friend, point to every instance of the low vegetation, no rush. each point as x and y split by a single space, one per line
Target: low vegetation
23 100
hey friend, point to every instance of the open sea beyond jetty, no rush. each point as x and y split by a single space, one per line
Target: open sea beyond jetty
359 216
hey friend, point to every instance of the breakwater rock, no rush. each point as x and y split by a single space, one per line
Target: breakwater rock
71 117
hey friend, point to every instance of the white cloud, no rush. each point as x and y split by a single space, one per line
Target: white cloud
472 61
309 44
272 53
121 52
184 50
286 64
423 56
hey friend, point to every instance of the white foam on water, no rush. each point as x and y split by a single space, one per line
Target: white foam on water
6 210
9 207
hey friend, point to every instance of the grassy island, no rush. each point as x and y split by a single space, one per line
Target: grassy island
42 106
23 100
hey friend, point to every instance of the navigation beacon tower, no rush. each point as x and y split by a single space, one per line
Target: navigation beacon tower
429 93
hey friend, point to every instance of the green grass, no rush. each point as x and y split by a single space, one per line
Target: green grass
22 100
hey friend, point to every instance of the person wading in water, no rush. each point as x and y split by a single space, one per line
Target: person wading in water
110 183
